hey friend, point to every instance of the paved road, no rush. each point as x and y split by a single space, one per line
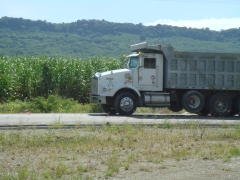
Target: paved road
98 118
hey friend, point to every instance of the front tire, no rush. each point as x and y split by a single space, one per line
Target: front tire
193 101
125 104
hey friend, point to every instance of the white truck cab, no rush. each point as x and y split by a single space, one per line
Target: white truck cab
121 91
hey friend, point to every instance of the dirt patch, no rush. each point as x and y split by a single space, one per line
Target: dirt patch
184 169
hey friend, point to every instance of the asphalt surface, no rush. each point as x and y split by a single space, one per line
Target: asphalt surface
28 119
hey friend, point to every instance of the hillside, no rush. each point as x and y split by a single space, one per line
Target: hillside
87 38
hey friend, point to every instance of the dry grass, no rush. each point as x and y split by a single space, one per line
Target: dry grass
101 152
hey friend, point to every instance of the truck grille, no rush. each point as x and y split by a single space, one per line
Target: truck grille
94 86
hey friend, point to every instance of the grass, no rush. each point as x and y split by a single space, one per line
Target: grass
52 104
103 152
57 104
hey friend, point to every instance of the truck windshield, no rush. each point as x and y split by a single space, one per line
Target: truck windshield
132 62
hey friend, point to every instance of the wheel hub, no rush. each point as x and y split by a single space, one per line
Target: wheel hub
220 105
194 101
191 101
126 104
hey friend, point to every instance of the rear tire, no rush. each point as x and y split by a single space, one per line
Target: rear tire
108 109
220 105
125 104
193 101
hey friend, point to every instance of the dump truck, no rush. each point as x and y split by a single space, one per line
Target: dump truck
204 83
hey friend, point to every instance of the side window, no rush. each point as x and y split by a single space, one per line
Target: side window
150 63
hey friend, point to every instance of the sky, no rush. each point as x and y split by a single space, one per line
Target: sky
213 14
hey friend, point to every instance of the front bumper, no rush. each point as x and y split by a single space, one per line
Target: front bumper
98 99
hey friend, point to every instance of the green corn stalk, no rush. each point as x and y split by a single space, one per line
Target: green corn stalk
29 77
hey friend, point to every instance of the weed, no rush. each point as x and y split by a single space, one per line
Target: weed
126 165
145 169
23 172
54 104
59 169
167 124
227 169
236 134
81 169
234 152
6 176
113 165
109 172
88 177
56 125
162 167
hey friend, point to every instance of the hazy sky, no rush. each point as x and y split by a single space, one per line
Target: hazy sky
215 14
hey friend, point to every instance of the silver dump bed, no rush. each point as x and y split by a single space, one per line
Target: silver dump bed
196 70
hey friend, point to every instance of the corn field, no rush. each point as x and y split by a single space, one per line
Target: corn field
29 77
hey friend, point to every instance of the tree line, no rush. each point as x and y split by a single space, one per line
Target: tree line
102 27
88 38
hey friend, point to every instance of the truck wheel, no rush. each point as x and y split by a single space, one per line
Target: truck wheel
220 105
193 101
108 109
175 106
125 104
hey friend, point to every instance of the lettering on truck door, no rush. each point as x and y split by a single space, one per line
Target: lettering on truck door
147 73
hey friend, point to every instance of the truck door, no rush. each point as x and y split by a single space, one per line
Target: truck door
147 72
